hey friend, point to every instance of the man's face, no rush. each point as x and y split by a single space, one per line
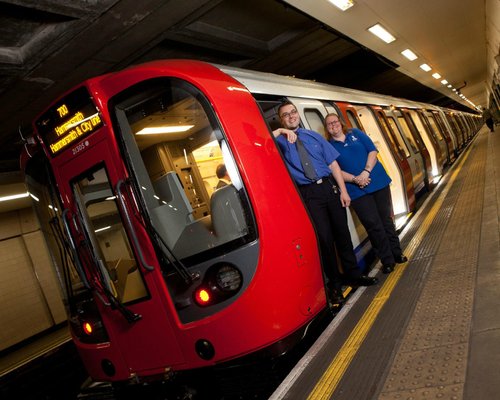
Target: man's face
289 117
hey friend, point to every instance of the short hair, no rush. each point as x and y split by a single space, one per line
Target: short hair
284 102
221 171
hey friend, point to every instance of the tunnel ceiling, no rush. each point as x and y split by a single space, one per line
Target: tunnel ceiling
48 46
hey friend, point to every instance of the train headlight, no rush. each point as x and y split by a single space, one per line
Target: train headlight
228 279
221 282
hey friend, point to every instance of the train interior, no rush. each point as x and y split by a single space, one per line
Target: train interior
175 147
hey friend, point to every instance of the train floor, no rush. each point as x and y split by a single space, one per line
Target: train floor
430 329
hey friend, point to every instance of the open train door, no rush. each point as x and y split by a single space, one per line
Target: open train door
390 155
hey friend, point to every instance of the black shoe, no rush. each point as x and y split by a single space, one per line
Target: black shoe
387 268
363 280
336 297
401 259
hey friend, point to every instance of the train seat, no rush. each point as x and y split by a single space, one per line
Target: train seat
227 214
174 211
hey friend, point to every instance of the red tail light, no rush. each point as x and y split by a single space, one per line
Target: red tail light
202 296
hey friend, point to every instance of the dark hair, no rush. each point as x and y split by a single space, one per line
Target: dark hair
284 102
221 171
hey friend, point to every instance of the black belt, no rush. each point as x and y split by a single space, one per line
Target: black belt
319 181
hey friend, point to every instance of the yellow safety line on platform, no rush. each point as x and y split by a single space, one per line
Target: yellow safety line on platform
332 376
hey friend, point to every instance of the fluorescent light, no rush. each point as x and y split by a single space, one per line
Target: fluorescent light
14 196
444 82
410 55
449 86
382 33
342 4
425 67
102 229
154 130
435 75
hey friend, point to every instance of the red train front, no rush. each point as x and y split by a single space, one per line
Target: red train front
162 271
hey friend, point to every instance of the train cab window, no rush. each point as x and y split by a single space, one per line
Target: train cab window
407 132
104 229
174 145
315 120
398 134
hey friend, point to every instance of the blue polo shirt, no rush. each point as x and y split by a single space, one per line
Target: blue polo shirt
320 152
353 155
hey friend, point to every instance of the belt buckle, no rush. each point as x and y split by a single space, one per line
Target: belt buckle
319 181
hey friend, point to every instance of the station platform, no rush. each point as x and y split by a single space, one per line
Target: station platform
430 329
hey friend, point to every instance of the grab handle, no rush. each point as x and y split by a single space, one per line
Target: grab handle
131 229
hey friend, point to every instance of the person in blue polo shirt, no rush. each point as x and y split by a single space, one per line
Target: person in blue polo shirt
323 190
368 185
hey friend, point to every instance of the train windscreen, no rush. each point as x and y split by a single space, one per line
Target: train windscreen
184 171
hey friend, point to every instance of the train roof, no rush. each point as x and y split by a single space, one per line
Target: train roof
268 83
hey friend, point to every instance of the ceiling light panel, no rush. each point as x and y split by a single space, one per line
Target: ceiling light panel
382 33
342 4
410 55
425 67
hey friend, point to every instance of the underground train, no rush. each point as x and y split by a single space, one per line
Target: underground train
161 271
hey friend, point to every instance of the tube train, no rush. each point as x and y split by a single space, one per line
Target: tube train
163 273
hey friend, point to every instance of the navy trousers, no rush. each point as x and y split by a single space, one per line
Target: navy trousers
374 210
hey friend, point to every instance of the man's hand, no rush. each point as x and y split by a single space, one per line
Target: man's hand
291 136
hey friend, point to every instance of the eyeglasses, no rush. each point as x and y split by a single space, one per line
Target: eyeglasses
289 114
333 123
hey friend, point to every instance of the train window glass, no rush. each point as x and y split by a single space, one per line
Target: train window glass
353 120
39 181
176 148
98 208
435 128
398 134
315 120
407 132
389 135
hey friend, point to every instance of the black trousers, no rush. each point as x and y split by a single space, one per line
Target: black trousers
330 221
490 124
374 210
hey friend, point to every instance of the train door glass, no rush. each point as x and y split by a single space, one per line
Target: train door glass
434 127
105 231
398 135
395 145
407 132
174 144
353 120
315 121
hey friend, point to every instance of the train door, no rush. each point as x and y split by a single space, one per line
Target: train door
435 132
411 151
392 162
312 113
445 126
455 129
437 160
123 264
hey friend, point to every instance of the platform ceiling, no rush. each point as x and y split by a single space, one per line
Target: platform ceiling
47 46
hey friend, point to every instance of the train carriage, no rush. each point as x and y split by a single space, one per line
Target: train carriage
163 271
